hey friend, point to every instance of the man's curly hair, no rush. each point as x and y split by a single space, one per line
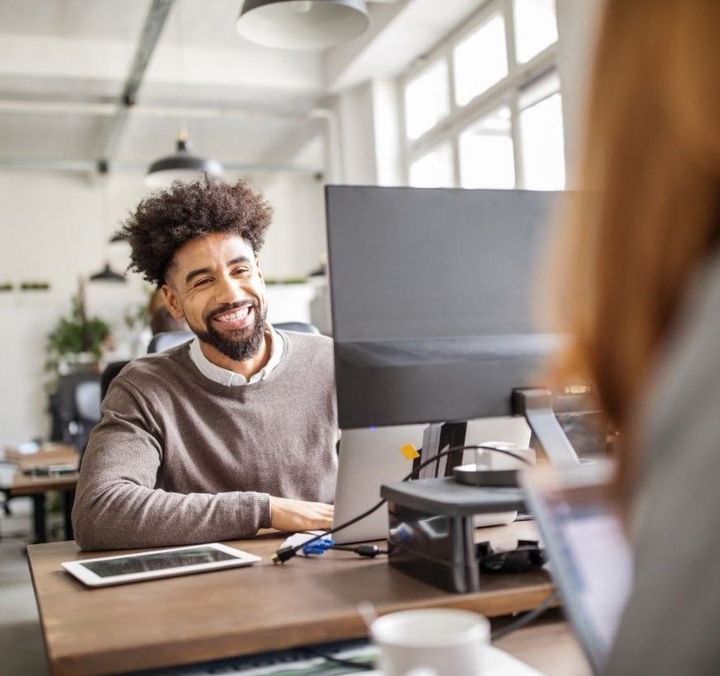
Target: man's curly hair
166 220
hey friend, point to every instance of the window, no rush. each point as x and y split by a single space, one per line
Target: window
541 135
535 27
486 152
426 99
485 46
434 169
484 109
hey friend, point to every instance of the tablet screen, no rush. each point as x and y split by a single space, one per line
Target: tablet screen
157 561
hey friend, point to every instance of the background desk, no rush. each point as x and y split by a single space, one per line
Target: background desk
242 611
37 487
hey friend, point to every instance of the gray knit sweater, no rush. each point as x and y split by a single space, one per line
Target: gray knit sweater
179 459
670 624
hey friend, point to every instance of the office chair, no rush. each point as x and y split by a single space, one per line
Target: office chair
166 339
109 372
298 327
78 407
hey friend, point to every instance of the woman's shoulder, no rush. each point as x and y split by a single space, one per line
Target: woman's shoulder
685 388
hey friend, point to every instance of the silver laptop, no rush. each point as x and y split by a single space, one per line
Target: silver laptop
371 457
367 459
590 559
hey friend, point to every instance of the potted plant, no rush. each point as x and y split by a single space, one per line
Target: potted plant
77 341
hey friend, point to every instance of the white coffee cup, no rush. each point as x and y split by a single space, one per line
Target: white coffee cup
431 642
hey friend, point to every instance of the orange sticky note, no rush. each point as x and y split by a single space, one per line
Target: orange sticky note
409 451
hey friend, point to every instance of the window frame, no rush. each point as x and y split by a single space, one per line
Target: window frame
504 92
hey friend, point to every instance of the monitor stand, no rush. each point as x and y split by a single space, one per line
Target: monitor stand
431 532
535 405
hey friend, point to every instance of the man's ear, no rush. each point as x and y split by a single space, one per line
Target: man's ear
172 301
259 270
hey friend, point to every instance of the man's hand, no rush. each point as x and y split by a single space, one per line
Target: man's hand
297 515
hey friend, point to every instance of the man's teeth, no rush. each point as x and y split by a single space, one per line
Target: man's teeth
235 316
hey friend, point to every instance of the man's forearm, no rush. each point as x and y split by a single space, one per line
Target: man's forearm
123 515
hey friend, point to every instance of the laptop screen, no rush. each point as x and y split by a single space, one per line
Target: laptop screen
590 559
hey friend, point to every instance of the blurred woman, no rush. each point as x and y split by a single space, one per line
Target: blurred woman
641 297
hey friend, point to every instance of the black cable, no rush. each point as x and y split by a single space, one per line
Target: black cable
286 553
526 618
371 551
360 666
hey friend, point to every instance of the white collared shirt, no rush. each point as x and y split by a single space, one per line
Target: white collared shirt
229 378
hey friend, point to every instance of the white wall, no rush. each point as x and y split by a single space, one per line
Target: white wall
297 239
52 228
355 109
370 133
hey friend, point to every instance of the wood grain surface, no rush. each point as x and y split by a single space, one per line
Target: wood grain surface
33 485
241 611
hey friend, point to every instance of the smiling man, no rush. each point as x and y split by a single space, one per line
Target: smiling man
232 432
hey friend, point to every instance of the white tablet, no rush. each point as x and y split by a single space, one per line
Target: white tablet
109 570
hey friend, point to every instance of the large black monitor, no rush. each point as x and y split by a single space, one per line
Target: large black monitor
431 295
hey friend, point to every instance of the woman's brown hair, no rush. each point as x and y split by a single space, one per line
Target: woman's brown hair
648 207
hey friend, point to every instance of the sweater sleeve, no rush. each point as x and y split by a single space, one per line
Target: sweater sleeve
117 504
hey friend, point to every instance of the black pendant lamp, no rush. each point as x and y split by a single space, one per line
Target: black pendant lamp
182 165
107 274
302 24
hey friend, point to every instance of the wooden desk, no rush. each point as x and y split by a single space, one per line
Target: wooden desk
37 487
50 454
237 612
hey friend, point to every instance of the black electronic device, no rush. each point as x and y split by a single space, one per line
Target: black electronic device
431 532
432 295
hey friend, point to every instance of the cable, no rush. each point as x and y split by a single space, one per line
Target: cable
286 553
371 551
526 618
360 666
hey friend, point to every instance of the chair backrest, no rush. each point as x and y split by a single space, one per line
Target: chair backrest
78 407
298 327
87 400
109 372
166 339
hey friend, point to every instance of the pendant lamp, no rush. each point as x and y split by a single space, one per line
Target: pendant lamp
302 24
182 165
107 274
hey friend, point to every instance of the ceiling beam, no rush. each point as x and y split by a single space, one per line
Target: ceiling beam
80 165
154 23
33 107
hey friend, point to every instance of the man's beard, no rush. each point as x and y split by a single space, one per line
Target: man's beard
239 344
